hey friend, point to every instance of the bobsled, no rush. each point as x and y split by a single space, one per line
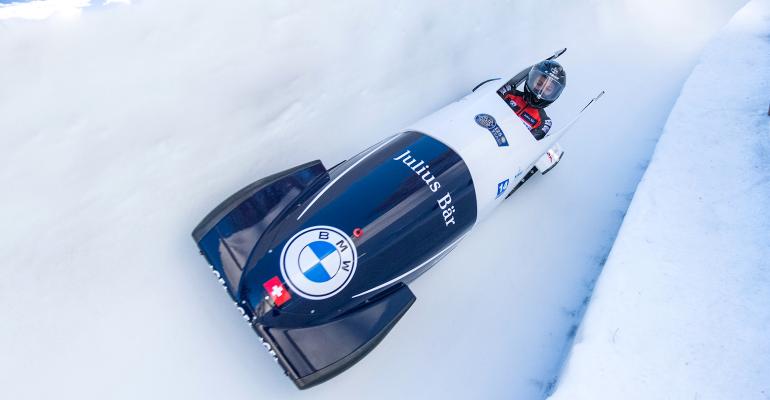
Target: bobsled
319 260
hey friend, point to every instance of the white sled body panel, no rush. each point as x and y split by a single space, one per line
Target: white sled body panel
496 158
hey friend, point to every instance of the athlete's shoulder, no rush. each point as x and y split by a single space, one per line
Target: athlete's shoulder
509 89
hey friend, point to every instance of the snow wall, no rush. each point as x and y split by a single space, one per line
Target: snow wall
122 127
682 308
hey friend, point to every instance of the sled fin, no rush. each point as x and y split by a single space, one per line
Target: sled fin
229 233
311 355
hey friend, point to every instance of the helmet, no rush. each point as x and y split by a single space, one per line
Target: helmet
545 82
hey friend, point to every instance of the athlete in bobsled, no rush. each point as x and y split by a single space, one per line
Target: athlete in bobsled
319 260
543 84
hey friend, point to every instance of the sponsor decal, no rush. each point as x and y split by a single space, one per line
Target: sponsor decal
502 187
318 262
276 291
529 119
518 174
488 122
422 170
546 126
447 211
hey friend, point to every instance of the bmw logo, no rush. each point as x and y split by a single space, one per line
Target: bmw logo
318 262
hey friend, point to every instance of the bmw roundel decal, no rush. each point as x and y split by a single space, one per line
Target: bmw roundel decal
318 262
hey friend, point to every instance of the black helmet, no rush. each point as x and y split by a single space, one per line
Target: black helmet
545 82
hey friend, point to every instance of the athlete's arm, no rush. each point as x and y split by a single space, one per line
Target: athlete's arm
543 128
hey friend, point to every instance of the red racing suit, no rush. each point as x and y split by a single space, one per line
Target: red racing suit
535 119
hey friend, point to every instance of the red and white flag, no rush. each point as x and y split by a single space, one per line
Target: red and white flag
276 291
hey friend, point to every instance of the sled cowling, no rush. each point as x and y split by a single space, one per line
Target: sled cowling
313 354
229 233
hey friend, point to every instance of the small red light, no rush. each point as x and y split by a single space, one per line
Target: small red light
358 232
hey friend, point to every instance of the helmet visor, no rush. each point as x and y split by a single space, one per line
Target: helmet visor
544 86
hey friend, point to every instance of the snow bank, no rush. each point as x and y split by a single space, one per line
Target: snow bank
682 308
42 9
121 128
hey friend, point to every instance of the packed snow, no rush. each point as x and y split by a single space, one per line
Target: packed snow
122 127
682 309
42 9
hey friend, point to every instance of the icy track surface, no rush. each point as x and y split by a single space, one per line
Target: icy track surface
121 128
682 309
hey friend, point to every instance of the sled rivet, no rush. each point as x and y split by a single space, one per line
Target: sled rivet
358 232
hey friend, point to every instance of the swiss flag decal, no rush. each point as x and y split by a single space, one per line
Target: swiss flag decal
276 291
